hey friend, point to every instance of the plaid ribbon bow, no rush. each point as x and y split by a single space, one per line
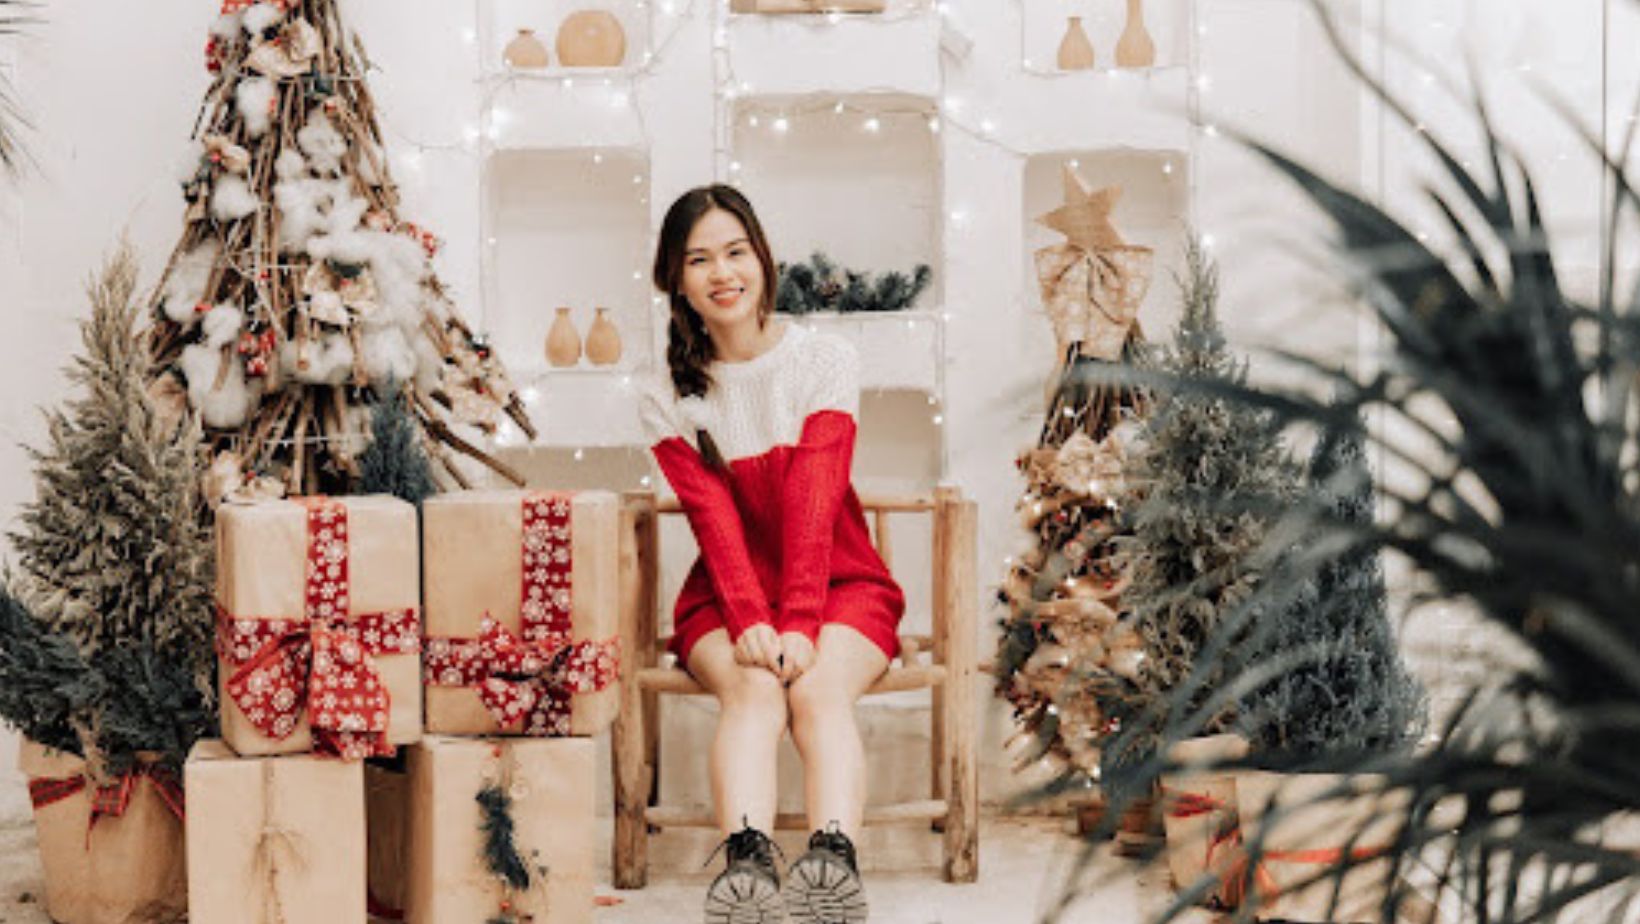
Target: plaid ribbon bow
531 678
111 799
324 661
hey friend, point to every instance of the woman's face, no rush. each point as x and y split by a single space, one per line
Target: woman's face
722 277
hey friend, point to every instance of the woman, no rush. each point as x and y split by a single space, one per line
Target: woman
789 615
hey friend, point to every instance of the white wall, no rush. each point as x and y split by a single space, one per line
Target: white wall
113 90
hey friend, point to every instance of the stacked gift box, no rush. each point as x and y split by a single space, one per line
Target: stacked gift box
329 652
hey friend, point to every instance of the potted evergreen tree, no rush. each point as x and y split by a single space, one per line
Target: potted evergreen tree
105 630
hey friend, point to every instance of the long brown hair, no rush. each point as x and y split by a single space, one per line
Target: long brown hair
688 346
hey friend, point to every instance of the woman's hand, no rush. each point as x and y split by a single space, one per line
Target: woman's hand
797 656
759 646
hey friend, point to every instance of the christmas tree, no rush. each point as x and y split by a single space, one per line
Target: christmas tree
108 624
1348 691
297 291
1216 471
1067 653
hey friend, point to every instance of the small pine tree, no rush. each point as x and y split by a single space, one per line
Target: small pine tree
45 686
114 553
394 463
1349 691
1216 470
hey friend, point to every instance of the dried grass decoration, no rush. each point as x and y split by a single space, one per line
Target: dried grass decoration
1092 285
297 293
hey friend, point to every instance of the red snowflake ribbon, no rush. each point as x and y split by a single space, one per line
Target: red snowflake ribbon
323 661
531 678
110 800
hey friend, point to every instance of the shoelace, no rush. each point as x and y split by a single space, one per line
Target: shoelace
748 843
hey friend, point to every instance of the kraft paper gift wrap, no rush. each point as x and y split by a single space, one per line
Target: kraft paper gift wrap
552 787
274 840
102 868
1314 831
264 563
478 628
1199 809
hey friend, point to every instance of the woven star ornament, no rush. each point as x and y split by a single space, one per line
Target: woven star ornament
1092 285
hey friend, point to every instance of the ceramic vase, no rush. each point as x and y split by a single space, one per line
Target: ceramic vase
591 38
1135 48
563 343
525 51
1075 51
603 340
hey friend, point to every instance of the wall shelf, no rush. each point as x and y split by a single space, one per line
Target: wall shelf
802 54
500 20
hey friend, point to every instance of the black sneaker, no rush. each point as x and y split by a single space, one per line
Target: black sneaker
748 889
823 886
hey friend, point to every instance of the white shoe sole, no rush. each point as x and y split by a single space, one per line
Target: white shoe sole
821 890
743 897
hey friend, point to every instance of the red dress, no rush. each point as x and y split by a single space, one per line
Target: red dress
782 537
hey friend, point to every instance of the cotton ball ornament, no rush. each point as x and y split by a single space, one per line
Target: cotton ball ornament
255 97
346 210
351 248
233 200
326 361
387 356
290 165
185 289
322 143
399 269
225 405
260 18
222 325
301 212
226 26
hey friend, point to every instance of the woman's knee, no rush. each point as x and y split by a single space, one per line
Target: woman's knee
754 689
812 696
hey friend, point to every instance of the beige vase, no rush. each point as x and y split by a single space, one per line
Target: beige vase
563 343
1075 51
525 51
603 340
1135 48
591 38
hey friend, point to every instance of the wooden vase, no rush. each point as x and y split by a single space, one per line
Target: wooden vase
591 38
1075 51
563 343
1135 48
525 51
603 340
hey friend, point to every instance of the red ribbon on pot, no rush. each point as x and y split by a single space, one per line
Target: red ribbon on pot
533 677
1236 881
323 661
110 800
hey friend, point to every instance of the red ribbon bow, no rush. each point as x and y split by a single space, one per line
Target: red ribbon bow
111 799
534 677
1263 883
324 661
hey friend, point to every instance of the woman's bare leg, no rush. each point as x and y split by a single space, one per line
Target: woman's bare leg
823 726
753 718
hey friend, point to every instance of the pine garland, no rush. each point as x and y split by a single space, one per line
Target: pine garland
500 852
806 288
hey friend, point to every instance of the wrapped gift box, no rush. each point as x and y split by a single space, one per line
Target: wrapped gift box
274 840
111 854
522 612
1199 811
550 785
1315 830
319 627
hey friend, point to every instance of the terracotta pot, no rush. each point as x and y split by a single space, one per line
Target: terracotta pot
603 340
1075 51
591 38
563 343
1135 48
525 51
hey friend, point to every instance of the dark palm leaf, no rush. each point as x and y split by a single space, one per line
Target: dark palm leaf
1529 509
14 16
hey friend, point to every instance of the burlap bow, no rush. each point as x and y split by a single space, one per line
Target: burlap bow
111 799
1093 297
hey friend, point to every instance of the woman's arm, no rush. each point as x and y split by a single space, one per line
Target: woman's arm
713 516
817 480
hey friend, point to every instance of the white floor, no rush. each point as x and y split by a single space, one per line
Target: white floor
1024 865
